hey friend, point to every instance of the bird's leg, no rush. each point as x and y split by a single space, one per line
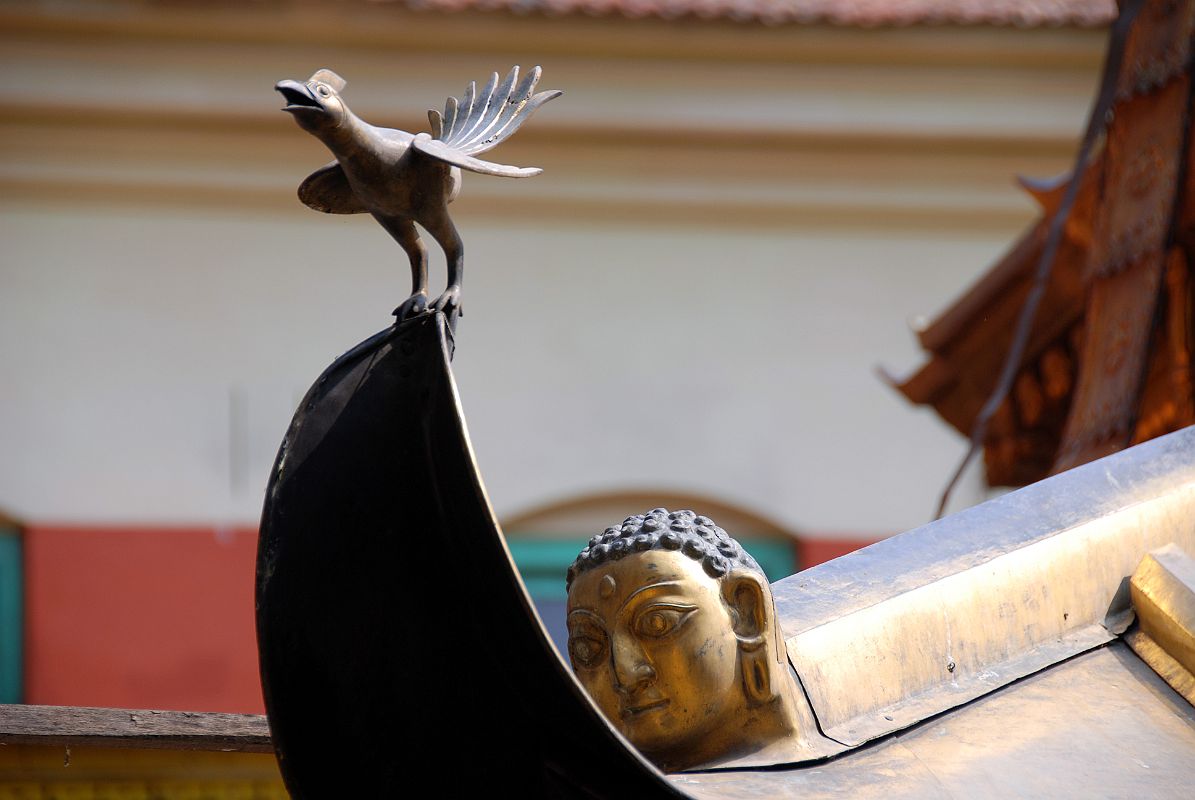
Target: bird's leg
404 232
440 226
417 302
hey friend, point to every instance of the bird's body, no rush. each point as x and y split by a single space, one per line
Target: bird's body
401 178
410 179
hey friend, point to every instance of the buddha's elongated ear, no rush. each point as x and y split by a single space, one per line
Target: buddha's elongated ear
749 601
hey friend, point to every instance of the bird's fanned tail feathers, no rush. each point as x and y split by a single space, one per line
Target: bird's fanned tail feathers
482 120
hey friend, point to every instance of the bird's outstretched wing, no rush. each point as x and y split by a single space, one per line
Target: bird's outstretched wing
482 120
327 190
437 149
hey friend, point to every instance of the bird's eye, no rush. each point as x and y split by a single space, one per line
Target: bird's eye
323 91
660 620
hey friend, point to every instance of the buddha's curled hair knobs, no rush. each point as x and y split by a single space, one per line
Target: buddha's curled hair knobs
695 535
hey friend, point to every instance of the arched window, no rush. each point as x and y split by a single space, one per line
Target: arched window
546 539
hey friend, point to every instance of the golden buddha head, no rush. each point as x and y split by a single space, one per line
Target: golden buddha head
673 633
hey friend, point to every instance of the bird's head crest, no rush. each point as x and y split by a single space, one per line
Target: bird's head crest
331 79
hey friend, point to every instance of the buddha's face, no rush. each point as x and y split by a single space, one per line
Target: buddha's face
653 643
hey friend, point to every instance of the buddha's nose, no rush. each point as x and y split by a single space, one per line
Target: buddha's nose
632 670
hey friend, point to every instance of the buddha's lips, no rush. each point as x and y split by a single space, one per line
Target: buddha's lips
630 711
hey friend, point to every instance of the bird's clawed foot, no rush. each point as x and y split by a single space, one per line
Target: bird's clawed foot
413 305
449 304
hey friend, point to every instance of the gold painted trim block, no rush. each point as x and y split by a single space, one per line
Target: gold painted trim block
65 772
1163 594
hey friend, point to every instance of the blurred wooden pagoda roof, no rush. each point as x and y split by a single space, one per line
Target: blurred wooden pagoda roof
1108 357
854 13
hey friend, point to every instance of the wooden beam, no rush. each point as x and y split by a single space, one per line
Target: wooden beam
134 729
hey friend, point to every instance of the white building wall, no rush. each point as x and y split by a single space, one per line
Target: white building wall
694 296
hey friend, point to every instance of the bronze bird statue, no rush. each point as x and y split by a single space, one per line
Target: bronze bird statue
401 178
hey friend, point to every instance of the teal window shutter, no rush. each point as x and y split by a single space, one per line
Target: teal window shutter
11 616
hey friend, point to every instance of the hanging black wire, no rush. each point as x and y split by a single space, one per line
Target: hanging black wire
1096 125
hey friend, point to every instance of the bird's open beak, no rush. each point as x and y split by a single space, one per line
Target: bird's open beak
298 97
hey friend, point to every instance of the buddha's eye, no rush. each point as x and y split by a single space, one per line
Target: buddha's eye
660 620
586 648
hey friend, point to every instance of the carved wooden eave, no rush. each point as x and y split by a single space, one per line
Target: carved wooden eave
1108 359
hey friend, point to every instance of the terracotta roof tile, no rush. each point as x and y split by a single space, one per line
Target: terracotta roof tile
853 13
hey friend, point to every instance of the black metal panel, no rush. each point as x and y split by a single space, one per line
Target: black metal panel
397 642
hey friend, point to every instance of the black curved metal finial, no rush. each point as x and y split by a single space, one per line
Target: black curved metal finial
396 639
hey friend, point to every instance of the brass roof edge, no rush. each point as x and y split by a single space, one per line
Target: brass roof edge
936 617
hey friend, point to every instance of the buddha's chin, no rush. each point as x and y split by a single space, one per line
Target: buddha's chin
653 729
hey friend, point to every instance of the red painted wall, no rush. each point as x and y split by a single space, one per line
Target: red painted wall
811 552
144 618
160 617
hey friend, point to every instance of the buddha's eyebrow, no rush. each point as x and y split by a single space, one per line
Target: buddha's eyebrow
653 587
585 612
